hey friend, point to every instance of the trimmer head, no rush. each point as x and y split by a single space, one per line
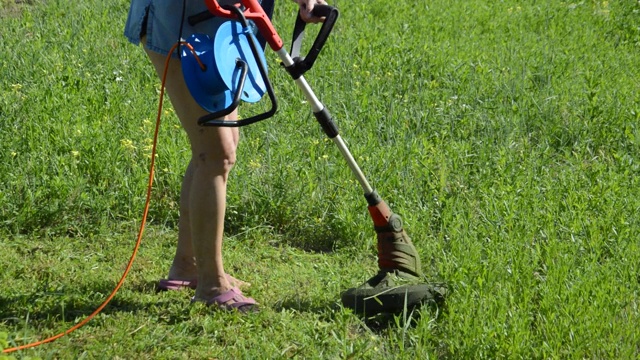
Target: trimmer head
392 292
399 284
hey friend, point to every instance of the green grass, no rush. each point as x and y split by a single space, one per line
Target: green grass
505 133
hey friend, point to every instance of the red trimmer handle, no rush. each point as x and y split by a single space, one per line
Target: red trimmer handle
253 11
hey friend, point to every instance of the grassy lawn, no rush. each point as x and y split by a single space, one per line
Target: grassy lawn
505 133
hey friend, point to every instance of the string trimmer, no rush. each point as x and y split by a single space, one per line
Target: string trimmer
235 57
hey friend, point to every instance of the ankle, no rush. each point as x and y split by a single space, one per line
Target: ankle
183 269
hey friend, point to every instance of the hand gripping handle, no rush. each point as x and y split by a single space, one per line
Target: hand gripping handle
303 64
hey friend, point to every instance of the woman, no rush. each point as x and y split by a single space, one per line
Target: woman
158 25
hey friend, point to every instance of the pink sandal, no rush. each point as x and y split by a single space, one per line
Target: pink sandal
169 284
240 302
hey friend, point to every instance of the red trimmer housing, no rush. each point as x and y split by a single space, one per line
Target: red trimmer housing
399 283
395 249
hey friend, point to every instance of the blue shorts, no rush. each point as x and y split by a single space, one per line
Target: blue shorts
161 22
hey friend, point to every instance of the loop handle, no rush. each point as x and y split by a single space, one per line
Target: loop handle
303 64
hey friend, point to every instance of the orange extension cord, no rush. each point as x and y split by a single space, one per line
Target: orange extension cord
142 225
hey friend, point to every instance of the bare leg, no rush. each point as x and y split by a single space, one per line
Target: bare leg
203 197
184 262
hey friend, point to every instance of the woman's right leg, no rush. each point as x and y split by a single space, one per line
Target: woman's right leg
213 155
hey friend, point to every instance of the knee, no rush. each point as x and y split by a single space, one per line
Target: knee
216 162
213 150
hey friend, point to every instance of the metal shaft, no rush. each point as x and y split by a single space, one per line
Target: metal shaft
318 107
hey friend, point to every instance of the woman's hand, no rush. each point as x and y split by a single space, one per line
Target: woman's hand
305 10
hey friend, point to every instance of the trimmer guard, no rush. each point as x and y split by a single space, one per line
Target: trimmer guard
392 292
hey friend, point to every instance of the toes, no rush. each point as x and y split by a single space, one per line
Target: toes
238 283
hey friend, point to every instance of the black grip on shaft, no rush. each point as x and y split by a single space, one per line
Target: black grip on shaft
326 121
